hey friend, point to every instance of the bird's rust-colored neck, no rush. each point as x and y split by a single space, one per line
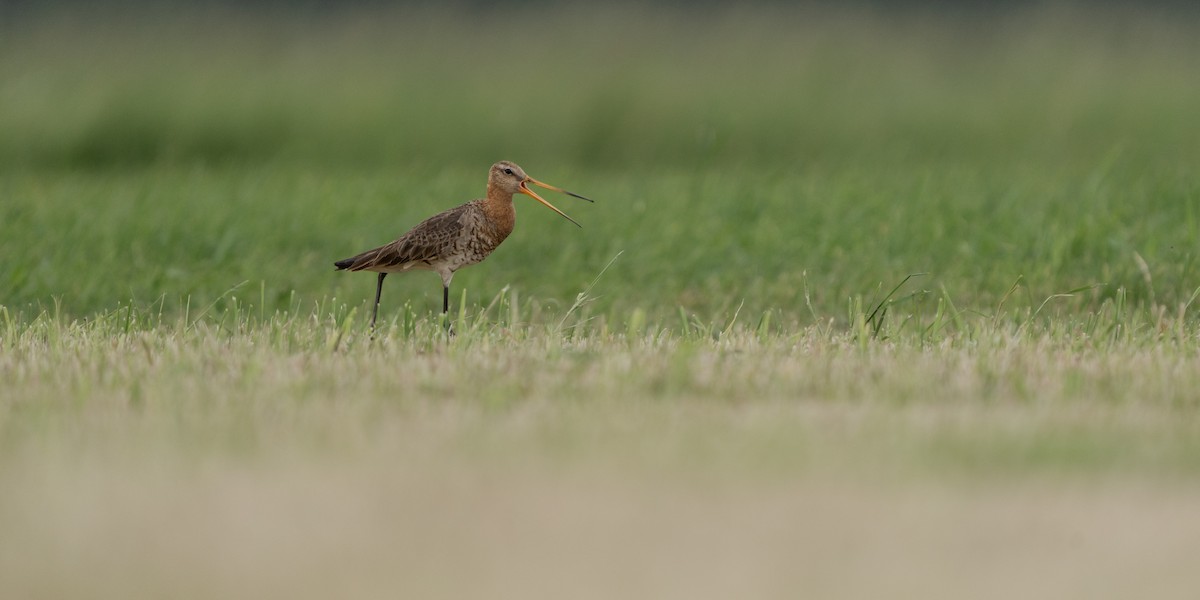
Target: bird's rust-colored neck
496 193
498 207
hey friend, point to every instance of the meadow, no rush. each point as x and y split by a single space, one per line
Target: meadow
870 303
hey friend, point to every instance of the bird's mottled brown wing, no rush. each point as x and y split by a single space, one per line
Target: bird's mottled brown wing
429 241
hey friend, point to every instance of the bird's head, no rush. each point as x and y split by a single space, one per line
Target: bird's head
509 178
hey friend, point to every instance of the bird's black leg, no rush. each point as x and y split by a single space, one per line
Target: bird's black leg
378 293
446 276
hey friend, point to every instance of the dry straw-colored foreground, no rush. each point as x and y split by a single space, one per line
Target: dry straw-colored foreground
301 460
384 527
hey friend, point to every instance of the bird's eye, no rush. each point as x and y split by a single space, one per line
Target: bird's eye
508 172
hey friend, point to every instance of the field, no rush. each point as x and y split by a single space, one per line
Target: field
870 303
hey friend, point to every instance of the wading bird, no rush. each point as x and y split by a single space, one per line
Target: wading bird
461 236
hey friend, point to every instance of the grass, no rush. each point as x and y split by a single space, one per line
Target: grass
178 236
868 304
1037 399
298 457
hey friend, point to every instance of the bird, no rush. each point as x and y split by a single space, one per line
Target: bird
455 238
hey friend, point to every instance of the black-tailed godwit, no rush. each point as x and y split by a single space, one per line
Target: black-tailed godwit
461 236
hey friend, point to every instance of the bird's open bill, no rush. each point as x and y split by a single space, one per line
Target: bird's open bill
525 190
558 189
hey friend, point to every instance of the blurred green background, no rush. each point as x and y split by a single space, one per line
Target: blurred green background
163 154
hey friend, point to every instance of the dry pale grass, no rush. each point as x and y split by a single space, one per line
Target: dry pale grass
298 459
386 527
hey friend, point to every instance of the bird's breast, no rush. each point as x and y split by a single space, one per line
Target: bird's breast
483 231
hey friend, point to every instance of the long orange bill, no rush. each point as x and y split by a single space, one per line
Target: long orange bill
558 189
525 190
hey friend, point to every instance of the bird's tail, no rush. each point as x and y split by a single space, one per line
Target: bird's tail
345 263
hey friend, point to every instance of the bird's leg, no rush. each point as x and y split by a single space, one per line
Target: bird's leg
446 277
446 310
378 294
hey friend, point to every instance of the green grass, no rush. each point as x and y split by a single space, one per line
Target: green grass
736 157
907 295
707 242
